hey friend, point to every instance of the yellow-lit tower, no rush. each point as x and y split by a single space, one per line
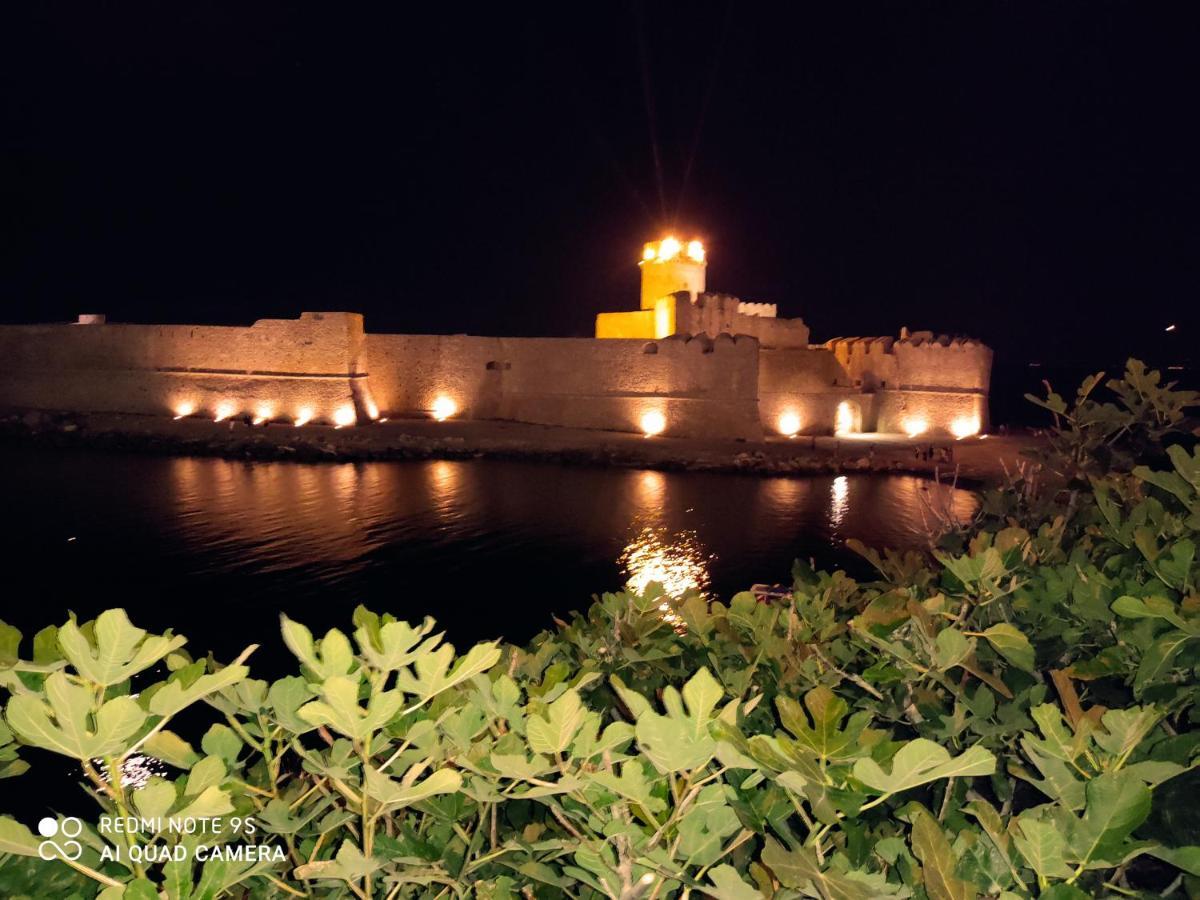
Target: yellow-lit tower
668 266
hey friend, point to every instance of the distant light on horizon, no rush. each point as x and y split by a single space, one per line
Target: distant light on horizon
1171 327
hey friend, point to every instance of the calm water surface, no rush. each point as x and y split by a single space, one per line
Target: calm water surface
217 549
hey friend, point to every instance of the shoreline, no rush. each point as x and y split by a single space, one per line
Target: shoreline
973 461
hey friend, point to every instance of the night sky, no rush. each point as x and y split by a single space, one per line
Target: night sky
1022 172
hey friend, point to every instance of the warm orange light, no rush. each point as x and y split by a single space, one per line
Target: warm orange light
669 249
343 416
262 414
444 408
304 415
183 410
224 411
648 253
844 422
964 427
915 426
695 251
789 424
372 409
653 422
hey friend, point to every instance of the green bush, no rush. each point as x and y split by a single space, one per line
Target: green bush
1013 715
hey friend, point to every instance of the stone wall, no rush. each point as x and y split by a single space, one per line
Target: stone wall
311 366
323 367
809 383
715 314
702 387
924 384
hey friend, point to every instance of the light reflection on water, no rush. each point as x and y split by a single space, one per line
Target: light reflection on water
675 560
496 546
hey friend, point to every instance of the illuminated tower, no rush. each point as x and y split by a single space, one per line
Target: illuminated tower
669 266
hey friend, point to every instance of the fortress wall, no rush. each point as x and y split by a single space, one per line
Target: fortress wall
703 388
312 363
958 364
410 371
810 383
869 362
715 314
941 412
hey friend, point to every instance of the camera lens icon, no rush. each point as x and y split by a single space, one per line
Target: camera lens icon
68 828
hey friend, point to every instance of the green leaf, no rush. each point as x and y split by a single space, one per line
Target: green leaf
727 884
393 793
1185 858
1043 846
825 737
799 869
332 656
171 749
632 784
64 724
921 761
338 708
1012 644
679 740
1158 659
209 804
209 772
121 650
348 865
155 798
10 645
285 698
398 642
704 828
434 675
937 860
16 838
173 696
554 733
1117 803
1154 608
951 648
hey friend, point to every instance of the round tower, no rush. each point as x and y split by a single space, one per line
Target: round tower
670 265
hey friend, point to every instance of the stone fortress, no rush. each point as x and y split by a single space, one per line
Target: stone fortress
687 363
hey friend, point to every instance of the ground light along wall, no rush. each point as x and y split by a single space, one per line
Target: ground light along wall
291 370
700 387
323 369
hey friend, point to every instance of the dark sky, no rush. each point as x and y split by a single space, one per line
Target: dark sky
1023 172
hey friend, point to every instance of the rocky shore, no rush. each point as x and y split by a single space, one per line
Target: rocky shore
974 460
